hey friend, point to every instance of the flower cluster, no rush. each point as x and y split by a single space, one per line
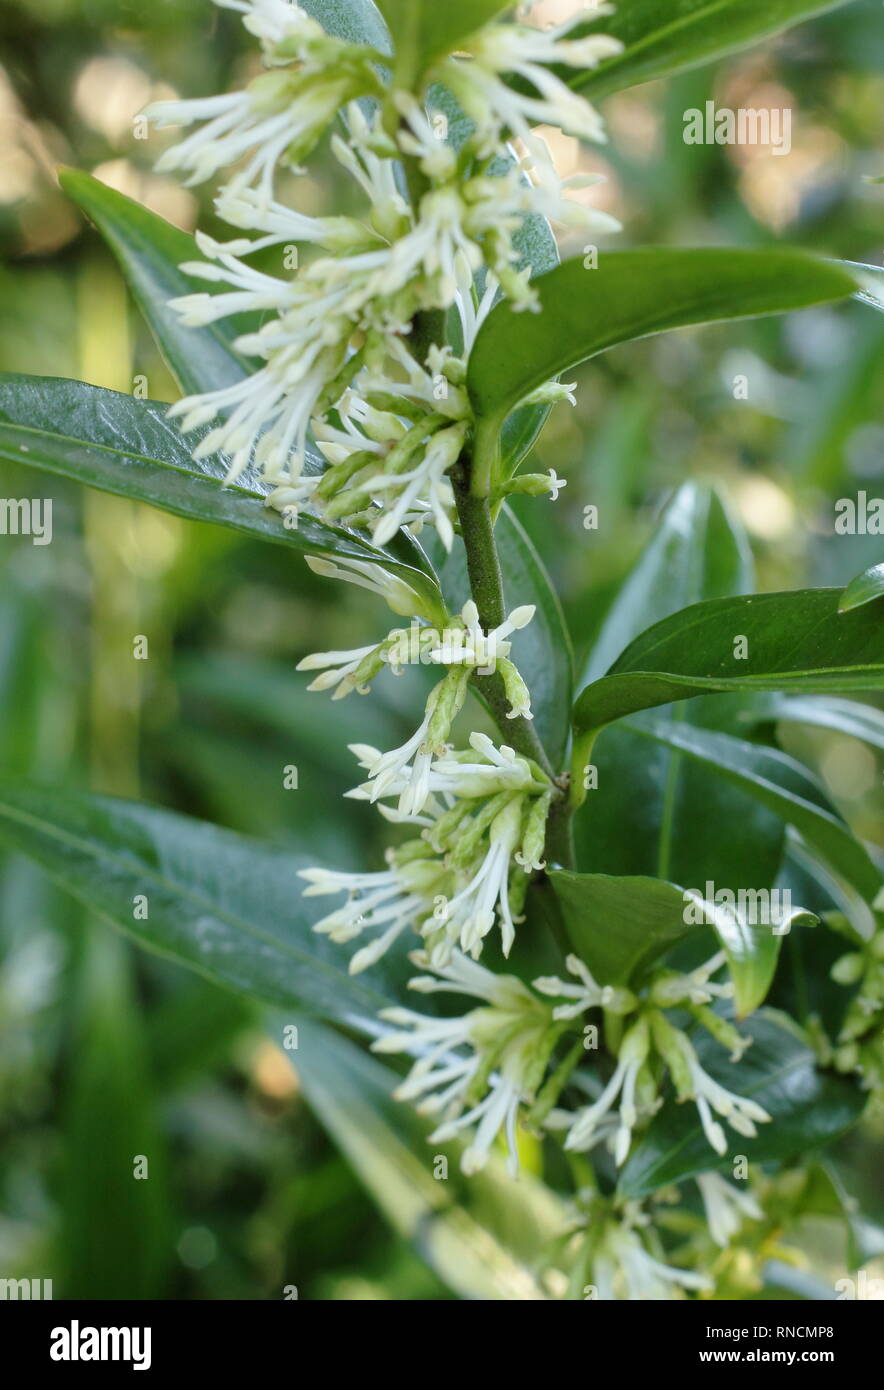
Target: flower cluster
333 352
481 814
651 1046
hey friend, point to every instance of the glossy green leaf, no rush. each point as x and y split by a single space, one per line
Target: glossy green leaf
128 447
695 552
149 251
864 589
654 811
385 1141
662 37
632 294
228 907
824 712
808 1108
620 926
781 783
784 642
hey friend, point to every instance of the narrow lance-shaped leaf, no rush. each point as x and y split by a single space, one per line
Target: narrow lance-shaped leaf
629 295
149 251
226 906
128 447
785 786
825 712
808 1108
794 641
653 811
662 37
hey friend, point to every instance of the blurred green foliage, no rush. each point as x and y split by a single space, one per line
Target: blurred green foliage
106 1053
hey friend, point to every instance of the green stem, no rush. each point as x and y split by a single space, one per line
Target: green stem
486 586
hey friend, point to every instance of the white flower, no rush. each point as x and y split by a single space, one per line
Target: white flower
741 1113
425 483
623 1260
726 1207
633 1053
396 593
282 114
499 50
338 670
696 987
586 995
471 914
510 1041
385 903
470 646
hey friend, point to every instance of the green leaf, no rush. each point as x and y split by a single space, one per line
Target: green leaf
844 716
126 446
424 31
385 1141
696 552
357 21
542 650
808 1109
870 279
662 37
226 906
653 811
864 589
149 251
621 926
781 783
792 641
630 295
116 1236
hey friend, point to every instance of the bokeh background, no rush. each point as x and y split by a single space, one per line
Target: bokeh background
105 1051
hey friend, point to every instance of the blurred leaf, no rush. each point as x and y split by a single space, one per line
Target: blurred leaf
867 586
116 1226
825 712
782 784
808 1108
621 926
661 38
791 641
385 1141
149 251
870 279
119 444
228 907
631 294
